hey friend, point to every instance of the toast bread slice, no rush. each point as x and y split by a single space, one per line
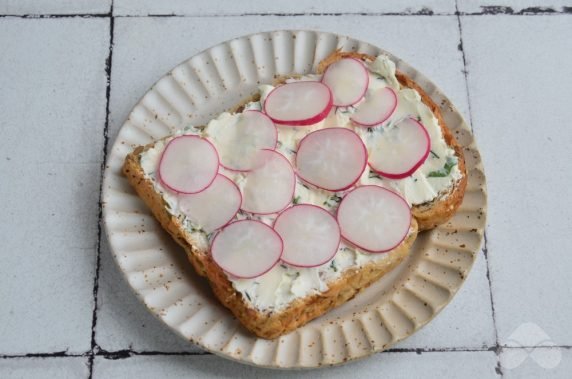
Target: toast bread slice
272 324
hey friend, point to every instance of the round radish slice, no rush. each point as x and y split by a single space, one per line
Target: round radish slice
247 248
348 79
331 158
377 107
400 150
310 234
215 206
299 103
269 188
189 164
374 218
239 141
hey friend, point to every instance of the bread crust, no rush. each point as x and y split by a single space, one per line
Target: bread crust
442 208
272 324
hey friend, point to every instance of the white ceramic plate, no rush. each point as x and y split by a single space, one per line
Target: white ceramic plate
389 311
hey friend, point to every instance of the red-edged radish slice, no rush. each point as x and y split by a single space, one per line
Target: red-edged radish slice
215 206
331 158
269 188
239 141
246 248
374 218
348 80
299 103
398 151
189 164
377 107
310 234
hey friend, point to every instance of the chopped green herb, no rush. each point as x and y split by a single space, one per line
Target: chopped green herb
445 171
278 143
332 200
419 118
283 266
305 186
370 130
379 76
247 295
296 200
434 155
292 151
333 266
373 174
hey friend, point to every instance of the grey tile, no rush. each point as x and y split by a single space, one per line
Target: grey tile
392 365
540 362
37 368
466 322
520 92
52 119
31 7
123 320
230 7
512 6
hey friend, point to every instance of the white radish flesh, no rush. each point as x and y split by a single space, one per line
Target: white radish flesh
377 107
214 207
310 234
332 158
189 164
239 142
299 103
400 150
348 80
246 249
270 186
374 218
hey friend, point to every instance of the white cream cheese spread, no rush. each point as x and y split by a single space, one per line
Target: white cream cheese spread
275 289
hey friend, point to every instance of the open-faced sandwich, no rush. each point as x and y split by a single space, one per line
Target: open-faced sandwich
308 192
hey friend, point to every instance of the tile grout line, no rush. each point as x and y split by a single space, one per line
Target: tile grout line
108 64
127 353
485 11
497 348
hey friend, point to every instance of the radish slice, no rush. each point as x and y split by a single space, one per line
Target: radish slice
215 206
377 107
247 248
239 142
332 158
270 187
348 80
311 235
189 164
299 103
398 151
374 218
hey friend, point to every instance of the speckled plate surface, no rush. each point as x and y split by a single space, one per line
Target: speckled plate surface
156 268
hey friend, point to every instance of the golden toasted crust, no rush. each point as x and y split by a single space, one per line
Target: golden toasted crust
441 209
263 324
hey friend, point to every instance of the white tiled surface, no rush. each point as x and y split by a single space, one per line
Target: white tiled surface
48 368
515 6
232 7
52 91
53 109
35 7
526 148
389 365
